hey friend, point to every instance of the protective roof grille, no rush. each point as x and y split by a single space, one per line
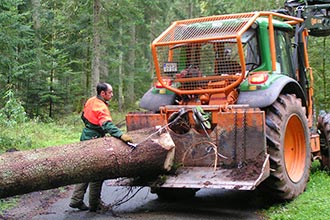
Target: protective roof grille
207 27
208 55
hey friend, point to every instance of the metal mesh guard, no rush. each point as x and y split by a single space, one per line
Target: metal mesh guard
204 52
208 27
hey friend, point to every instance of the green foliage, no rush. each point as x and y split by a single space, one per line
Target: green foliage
318 48
312 204
38 134
8 142
47 48
15 38
12 117
13 112
7 203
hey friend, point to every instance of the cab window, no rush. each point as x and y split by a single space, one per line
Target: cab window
283 53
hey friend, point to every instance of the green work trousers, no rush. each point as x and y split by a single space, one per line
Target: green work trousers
94 193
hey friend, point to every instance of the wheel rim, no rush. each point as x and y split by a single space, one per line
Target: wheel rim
295 148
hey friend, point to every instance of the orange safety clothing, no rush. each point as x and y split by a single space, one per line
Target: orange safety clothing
96 111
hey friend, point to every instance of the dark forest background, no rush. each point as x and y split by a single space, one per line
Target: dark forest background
52 53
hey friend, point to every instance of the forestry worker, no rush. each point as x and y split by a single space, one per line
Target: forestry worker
98 122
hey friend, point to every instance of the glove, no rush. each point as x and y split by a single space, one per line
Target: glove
126 138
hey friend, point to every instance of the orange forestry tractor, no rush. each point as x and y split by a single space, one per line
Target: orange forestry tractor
235 94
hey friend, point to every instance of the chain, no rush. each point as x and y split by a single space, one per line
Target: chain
243 143
235 135
244 134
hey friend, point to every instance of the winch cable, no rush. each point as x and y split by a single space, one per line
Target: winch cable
202 119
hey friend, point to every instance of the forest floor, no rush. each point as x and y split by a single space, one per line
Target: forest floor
35 204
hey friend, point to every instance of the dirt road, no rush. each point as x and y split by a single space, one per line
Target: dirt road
208 204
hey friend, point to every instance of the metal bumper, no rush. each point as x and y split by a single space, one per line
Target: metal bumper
246 178
229 155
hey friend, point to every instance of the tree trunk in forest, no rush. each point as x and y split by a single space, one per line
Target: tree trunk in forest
98 159
151 37
120 70
88 83
190 9
52 71
38 59
96 46
36 14
324 72
131 72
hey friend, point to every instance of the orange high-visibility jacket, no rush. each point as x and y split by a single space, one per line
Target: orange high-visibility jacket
96 111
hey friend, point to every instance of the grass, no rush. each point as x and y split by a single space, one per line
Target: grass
312 204
7 203
35 134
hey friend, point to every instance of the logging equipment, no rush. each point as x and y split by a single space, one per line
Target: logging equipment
234 84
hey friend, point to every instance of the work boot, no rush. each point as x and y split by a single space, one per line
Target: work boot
100 208
78 197
81 206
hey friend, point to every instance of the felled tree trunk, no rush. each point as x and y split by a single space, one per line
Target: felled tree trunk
99 159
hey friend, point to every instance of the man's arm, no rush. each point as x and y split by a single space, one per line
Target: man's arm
112 129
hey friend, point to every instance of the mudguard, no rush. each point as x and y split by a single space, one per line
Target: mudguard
152 101
264 98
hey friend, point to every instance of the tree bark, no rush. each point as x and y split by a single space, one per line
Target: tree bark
99 159
36 14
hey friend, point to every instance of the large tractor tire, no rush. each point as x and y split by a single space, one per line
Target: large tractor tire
323 125
289 148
